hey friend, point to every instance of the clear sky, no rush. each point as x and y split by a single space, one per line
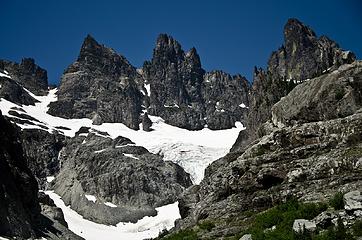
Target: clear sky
233 36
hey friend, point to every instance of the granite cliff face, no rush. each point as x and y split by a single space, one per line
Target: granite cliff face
100 85
303 56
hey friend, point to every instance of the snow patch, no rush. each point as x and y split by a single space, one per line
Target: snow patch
243 105
130 156
109 204
99 151
148 88
5 74
147 227
172 106
91 198
50 179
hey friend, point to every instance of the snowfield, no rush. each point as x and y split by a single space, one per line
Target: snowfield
193 150
147 227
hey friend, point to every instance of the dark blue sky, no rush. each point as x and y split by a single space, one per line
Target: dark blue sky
229 35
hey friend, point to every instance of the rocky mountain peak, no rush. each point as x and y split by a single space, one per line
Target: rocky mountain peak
100 85
99 57
165 41
89 45
193 57
297 34
167 50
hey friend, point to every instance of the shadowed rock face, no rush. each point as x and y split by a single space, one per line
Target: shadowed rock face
100 85
185 96
41 149
18 192
119 172
28 75
303 56
22 214
14 92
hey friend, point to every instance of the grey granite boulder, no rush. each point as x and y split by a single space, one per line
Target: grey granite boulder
301 225
353 201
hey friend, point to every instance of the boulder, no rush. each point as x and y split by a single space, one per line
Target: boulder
352 201
246 237
301 225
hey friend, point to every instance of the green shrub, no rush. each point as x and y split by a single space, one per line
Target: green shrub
283 216
357 228
187 234
337 201
206 225
339 92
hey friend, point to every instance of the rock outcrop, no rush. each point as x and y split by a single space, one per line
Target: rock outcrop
185 96
101 85
310 159
126 182
334 95
13 91
303 56
27 74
